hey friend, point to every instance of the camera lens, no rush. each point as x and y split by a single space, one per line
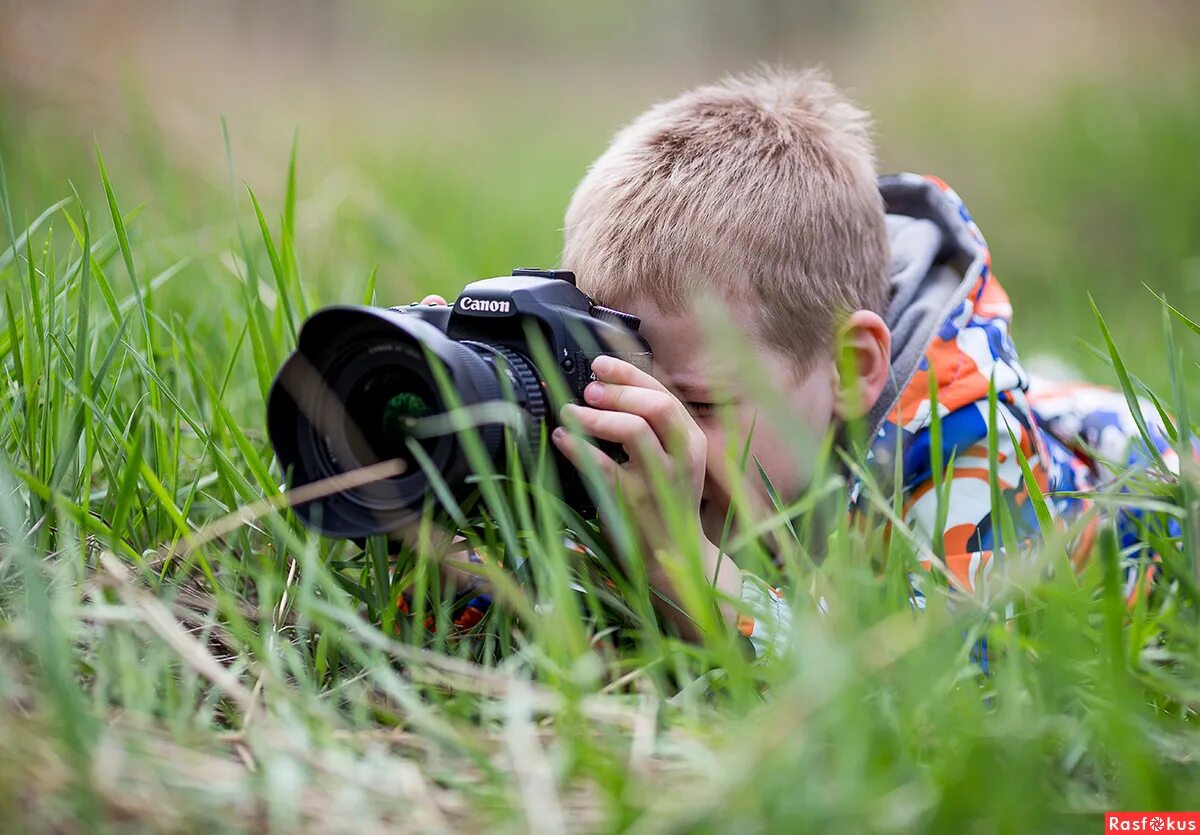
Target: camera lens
386 405
361 387
402 410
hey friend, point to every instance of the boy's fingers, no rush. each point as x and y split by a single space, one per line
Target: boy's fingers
579 451
663 411
628 430
612 370
433 298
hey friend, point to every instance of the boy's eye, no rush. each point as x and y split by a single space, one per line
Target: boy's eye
700 408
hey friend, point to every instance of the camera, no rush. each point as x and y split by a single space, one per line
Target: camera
361 378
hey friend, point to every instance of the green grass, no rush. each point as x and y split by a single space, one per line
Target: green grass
162 671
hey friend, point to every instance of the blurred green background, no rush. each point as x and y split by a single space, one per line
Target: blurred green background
440 141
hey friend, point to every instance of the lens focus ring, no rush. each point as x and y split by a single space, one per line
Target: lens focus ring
526 383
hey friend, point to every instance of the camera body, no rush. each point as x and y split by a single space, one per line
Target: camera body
334 405
497 311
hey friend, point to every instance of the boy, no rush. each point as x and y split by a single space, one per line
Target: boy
760 193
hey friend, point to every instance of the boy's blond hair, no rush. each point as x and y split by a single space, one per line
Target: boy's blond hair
758 189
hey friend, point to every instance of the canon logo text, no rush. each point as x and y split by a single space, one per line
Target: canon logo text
483 305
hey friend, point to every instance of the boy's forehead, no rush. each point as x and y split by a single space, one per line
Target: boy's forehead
684 353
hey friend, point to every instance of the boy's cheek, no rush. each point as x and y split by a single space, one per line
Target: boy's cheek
780 451
784 459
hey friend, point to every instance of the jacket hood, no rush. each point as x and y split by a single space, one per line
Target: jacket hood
948 315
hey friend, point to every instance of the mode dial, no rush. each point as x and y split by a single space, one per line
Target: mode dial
617 317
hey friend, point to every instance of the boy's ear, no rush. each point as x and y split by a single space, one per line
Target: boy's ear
864 352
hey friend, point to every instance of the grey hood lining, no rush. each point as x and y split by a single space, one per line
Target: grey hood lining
935 262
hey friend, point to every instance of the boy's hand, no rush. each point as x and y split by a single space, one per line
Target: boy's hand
627 406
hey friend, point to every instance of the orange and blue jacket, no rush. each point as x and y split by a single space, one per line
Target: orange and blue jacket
950 321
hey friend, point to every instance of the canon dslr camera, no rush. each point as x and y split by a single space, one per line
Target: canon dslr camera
361 377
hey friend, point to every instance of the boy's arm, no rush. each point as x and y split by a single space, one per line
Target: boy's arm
765 619
718 568
627 406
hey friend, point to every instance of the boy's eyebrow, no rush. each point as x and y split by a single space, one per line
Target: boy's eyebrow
688 384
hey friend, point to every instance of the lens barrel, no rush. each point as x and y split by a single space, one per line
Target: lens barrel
357 391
